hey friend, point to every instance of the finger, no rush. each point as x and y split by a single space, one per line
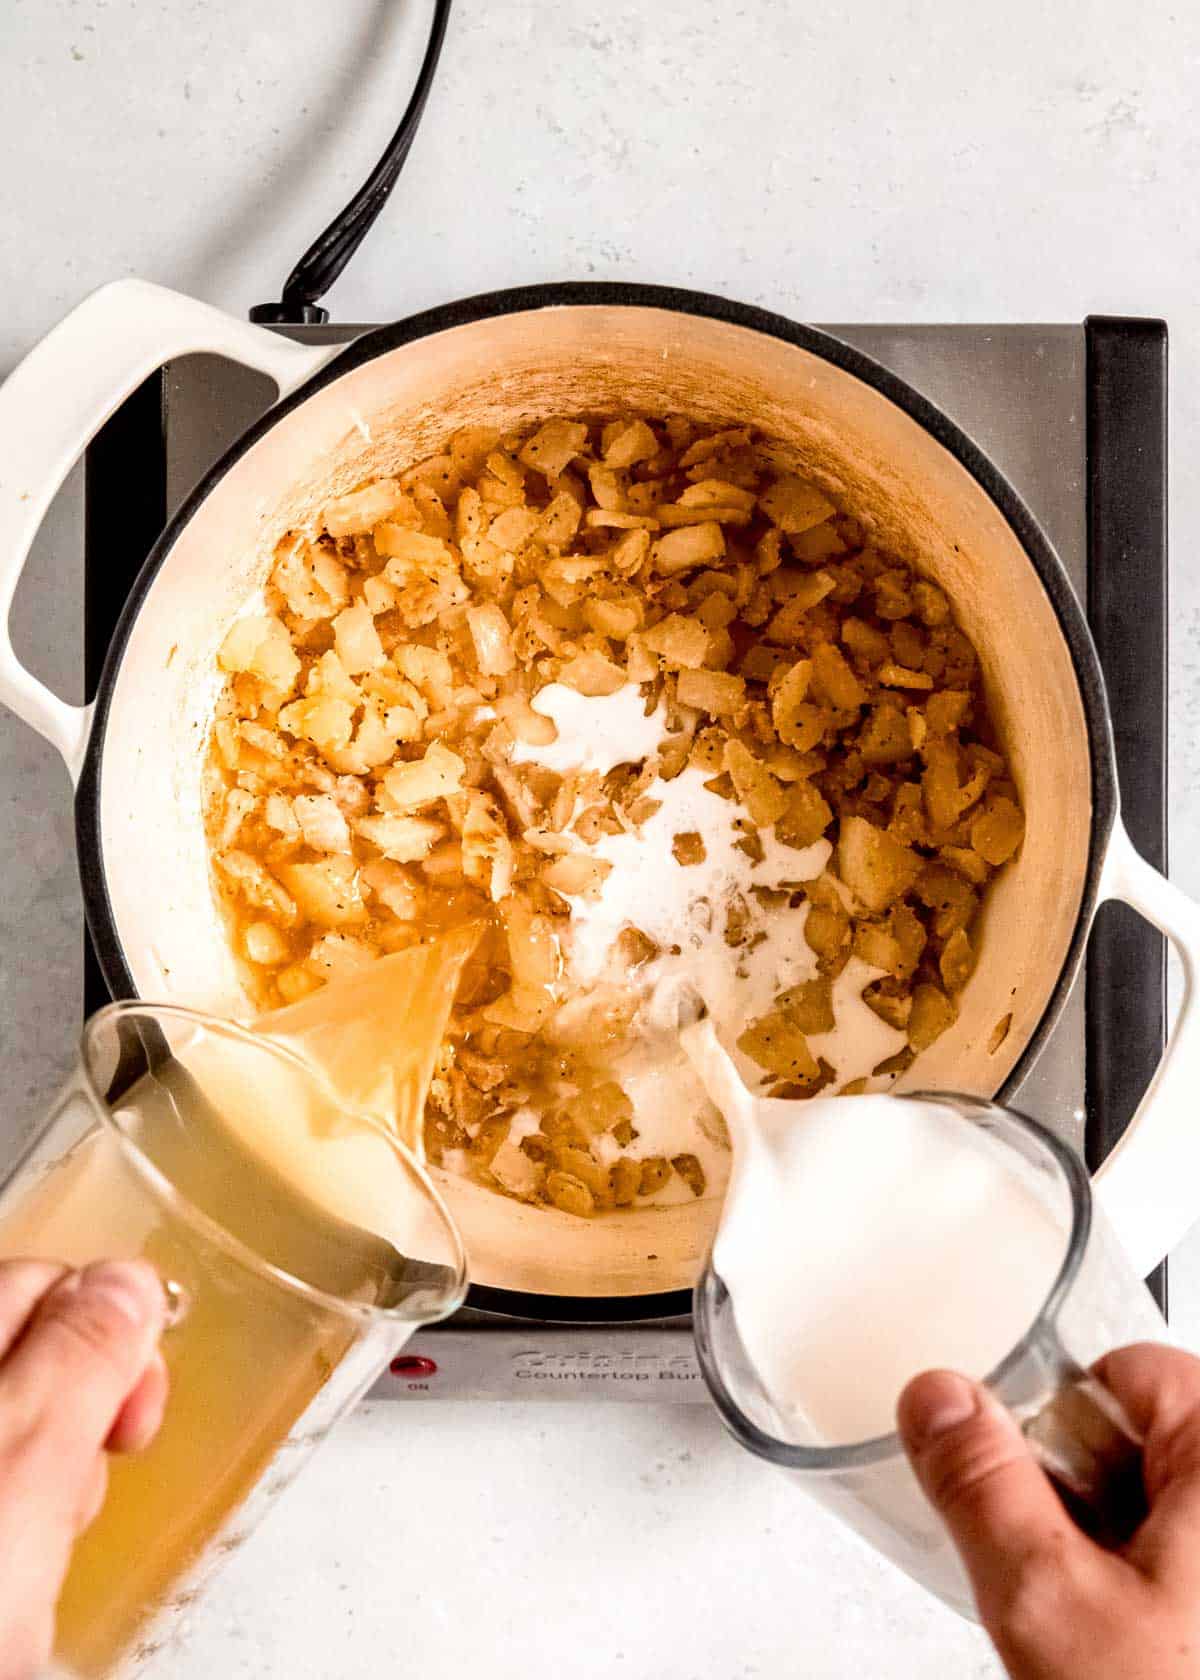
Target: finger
22 1285
1159 1388
84 1350
1156 1384
141 1416
94 1495
977 1472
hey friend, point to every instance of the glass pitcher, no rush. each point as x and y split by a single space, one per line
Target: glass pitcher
1096 1303
300 1245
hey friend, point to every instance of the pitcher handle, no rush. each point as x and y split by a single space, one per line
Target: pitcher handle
1150 1185
56 400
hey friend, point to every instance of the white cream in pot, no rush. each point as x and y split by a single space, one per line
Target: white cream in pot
683 909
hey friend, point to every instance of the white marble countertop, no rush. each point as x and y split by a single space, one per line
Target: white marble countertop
874 162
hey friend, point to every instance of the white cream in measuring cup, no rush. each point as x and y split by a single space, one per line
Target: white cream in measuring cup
867 1238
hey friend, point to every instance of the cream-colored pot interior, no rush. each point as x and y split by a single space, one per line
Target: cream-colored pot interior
871 457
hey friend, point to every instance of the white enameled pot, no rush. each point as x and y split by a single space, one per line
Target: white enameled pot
347 413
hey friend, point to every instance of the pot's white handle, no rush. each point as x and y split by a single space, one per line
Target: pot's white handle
55 401
1150 1185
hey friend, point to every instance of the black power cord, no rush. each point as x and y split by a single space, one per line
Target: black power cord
329 253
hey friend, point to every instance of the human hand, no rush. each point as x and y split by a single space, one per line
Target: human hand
1056 1605
79 1376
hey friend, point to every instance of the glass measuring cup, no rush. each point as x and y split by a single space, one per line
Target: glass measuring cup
1095 1303
301 1246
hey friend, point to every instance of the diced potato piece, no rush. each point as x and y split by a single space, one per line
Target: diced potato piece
326 722
513 528
810 1005
932 606
688 849
865 642
590 673
680 641
615 519
437 775
806 816
261 645
577 875
522 1009
256 884
265 944
715 692
616 618
877 947
910 935
760 793
892 597
833 681
322 824
952 898
956 961
932 1012
876 868
569 1195
327 892
998 831
717 493
279 815
394 887
296 982
691 1172
655 1173
892 1009
514 1171
630 553
356 640
629 445
532 728
339 954
945 797
897 676
797 723
554 446
795 505
532 946
689 546
492 637
399 542
624 1180
675 515
885 738
827 933
379 596
428 670
607 488
787 626
967 862
470 448
403 839
560 520
237 807
819 542
777 1044
487 849
947 711
362 510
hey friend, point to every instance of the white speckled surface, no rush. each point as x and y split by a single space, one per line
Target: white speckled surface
874 162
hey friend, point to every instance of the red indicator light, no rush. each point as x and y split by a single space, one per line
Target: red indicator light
413 1365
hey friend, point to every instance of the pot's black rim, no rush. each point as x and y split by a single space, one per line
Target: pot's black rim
575 294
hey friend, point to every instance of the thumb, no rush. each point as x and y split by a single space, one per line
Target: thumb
978 1473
